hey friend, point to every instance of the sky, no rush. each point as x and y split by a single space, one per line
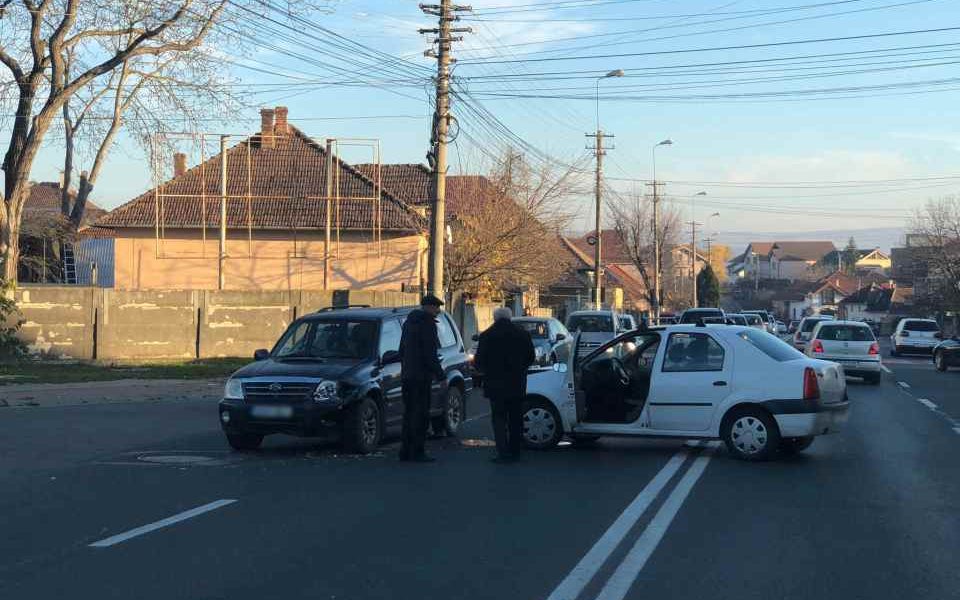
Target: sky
850 161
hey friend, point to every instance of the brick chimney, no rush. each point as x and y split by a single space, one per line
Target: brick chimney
280 125
266 127
179 164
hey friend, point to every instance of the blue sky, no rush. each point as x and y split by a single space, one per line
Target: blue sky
716 141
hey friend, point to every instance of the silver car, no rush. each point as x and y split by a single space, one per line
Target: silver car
849 343
914 335
805 331
595 327
551 340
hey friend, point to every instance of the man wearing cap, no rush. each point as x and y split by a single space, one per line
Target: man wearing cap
419 367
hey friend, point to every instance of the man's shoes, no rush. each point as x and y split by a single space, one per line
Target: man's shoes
423 458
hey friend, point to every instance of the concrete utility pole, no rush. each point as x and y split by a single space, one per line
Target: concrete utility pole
693 260
328 209
657 295
437 157
222 254
598 151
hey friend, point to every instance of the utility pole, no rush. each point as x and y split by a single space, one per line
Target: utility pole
221 263
693 260
328 210
656 250
437 156
599 152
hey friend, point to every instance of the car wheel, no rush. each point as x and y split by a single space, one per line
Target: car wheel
362 427
795 445
542 428
751 434
940 361
454 411
244 441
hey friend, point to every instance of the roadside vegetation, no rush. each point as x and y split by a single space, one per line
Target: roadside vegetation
61 372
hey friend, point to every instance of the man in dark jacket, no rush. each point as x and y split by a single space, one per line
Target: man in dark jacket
504 353
419 367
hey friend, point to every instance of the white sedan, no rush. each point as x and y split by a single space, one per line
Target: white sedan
738 384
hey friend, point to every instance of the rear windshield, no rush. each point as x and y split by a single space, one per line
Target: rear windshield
691 316
754 319
921 326
770 345
809 324
536 329
590 323
739 319
845 333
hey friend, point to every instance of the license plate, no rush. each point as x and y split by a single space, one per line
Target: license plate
271 412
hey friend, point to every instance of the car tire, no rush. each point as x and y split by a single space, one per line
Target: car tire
542 427
795 445
362 427
750 433
244 441
940 361
448 424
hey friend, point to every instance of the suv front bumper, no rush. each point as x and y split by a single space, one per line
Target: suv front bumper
307 418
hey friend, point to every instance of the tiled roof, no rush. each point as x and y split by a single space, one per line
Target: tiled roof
287 187
413 183
613 249
44 199
808 251
875 298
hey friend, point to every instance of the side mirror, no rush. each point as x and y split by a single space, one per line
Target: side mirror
475 337
261 354
561 337
389 357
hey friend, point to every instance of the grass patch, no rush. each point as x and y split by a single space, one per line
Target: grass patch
56 372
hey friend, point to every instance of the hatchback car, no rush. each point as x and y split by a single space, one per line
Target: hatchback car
850 343
551 340
805 330
946 354
914 335
689 381
594 326
337 372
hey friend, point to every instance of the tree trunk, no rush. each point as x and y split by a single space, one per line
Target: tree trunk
10 242
80 202
65 207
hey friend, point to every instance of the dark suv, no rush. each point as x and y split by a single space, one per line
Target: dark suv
338 371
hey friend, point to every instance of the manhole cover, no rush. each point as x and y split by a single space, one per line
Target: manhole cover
178 459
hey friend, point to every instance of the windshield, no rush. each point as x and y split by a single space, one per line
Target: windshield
845 333
536 329
334 338
590 323
753 319
691 316
809 324
921 326
770 345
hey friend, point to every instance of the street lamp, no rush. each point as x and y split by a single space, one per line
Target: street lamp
598 247
656 232
710 234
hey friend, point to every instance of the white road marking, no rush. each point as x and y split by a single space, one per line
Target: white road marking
886 370
927 403
904 385
956 430
574 583
622 579
187 514
476 418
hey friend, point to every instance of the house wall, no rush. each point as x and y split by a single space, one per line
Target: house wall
792 269
879 264
270 261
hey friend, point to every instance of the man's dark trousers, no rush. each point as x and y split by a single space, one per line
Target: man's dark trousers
507 426
416 416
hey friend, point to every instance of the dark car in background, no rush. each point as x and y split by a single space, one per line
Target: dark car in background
337 371
946 354
707 315
551 340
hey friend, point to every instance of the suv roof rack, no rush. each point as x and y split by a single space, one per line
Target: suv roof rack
329 308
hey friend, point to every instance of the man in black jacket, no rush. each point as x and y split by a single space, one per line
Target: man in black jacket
504 353
419 367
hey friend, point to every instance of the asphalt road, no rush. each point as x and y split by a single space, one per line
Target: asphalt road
873 512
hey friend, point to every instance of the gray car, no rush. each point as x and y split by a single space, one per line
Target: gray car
551 340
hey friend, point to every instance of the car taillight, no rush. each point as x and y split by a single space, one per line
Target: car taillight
811 387
874 349
817 346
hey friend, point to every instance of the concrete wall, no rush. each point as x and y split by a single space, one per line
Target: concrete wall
91 323
271 260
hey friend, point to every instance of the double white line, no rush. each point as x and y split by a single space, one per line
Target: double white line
626 573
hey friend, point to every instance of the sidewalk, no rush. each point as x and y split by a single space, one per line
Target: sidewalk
109 392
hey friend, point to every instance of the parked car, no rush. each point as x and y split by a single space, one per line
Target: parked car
781 328
669 319
792 328
946 354
627 322
756 321
768 320
338 371
594 326
850 343
914 335
708 315
689 381
736 319
551 340
805 330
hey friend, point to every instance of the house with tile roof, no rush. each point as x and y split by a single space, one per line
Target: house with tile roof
803 298
789 260
277 214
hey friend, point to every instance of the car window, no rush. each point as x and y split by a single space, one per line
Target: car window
390 333
334 338
590 323
445 331
770 345
634 351
693 352
560 329
809 324
536 329
754 319
693 315
845 333
294 340
921 326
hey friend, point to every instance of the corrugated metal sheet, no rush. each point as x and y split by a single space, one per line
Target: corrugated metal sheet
91 252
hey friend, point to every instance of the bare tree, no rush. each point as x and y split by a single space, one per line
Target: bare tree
38 39
937 224
633 222
506 227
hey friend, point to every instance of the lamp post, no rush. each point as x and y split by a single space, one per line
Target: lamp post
598 247
656 233
710 235
693 245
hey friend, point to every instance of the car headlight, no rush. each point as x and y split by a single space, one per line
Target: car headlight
326 392
233 390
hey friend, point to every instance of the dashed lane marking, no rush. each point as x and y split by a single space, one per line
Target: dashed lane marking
886 370
927 403
144 529
904 385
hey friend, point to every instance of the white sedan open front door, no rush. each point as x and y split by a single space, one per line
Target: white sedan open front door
690 380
